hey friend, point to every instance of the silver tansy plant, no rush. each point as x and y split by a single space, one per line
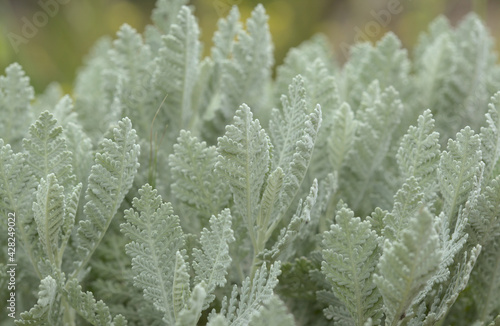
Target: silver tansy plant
176 189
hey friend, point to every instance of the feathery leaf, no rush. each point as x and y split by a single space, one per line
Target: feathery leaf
177 71
252 296
110 179
244 160
192 165
49 210
95 312
46 311
213 260
350 256
459 166
407 265
156 239
47 150
15 97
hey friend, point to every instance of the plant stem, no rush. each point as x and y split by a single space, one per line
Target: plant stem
69 313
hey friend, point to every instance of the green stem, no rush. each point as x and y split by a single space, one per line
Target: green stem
255 261
257 249
69 313
330 212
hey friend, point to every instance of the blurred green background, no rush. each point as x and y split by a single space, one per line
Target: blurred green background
57 48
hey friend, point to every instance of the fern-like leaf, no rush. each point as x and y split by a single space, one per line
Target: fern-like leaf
350 256
339 314
49 210
177 71
15 97
486 282
322 89
282 248
447 296
130 78
435 68
64 112
247 301
454 73
459 166
215 68
407 265
110 179
165 13
407 202
247 74
387 62
16 184
191 314
47 150
273 312
269 199
71 205
475 44
311 56
437 28
180 285
301 159
286 124
192 165
46 312
212 261
95 312
341 138
485 221
490 137
294 134
418 154
156 238
218 320
80 145
321 86
378 116
17 190
228 29
244 160
453 242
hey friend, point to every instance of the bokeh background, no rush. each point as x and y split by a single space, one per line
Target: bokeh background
59 47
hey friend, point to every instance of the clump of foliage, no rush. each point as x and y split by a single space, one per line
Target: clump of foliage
173 189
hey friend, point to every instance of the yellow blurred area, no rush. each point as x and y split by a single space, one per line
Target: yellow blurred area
59 45
119 10
3 48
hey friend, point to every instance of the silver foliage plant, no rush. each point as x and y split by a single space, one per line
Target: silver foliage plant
177 189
